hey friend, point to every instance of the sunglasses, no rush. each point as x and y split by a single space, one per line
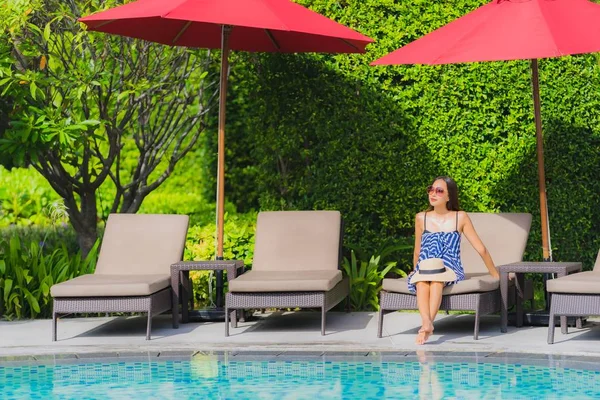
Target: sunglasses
438 190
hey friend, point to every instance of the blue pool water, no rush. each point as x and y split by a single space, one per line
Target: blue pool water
209 377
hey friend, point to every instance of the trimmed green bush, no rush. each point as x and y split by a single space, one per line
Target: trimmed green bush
332 132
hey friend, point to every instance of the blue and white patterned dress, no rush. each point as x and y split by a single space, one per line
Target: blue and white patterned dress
444 245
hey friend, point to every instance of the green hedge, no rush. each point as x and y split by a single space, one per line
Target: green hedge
332 132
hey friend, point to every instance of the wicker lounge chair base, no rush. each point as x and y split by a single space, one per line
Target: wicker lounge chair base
481 303
323 300
154 304
571 305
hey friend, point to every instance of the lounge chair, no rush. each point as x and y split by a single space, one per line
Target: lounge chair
575 295
133 269
504 235
297 259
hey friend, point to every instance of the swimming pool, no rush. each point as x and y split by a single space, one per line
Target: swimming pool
305 376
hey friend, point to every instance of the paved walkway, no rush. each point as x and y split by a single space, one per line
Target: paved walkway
289 332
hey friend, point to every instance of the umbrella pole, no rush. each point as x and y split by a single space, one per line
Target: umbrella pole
540 158
226 31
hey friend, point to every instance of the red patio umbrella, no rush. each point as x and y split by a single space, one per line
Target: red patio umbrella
249 25
512 30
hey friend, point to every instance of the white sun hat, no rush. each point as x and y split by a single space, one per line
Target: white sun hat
433 270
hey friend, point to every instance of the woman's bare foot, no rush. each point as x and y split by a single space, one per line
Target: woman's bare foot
420 337
424 333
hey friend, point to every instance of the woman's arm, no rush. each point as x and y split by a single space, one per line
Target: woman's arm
473 238
418 233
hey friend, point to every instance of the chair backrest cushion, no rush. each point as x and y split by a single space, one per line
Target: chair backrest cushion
597 265
503 234
297 241
145 244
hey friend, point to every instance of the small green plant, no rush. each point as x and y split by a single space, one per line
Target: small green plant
367 270
34 258
365 280
398 249
27 272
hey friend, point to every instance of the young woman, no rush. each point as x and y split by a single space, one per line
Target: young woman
436 257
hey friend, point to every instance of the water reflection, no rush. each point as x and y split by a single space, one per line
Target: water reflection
429 382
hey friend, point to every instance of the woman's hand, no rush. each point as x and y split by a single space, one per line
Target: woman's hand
494 273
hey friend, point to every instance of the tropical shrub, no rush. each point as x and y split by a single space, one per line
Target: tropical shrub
366 277
398 250
28 270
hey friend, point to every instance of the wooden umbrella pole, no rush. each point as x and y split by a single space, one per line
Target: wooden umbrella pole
226 31
221 145
540 158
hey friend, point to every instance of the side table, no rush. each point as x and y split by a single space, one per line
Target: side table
180 273
519 269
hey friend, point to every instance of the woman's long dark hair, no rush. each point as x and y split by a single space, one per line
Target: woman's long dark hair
452 203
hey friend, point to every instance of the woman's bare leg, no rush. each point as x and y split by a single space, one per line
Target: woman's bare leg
435 298
423 303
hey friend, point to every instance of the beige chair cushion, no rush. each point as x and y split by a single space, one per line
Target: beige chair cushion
475 283
111 285
504 235
142 244
297 241
285 281
399 285
597 265
135 258
587 282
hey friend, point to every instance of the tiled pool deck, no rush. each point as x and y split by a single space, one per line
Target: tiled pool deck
281 334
